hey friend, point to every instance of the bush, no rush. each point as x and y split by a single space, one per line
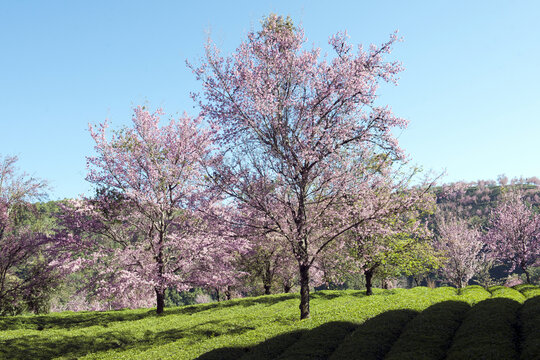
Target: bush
320 342
487 332
374 338
507 293
429 335
529 316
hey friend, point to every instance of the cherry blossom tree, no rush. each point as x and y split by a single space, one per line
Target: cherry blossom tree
514 233
295 131
144 229
23 272
462 247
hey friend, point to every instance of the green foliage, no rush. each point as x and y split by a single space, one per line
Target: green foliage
529 291
181 298
344 325
475 293
507 293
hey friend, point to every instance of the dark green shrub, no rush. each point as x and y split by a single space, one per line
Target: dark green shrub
374 338
529 317
429 335
320 342
487 332
272 348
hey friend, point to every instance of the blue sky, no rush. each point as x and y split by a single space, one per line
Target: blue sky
471 85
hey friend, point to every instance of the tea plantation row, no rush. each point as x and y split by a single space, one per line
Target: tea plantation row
419 323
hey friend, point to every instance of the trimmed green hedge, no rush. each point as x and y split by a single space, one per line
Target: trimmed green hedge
374 338
320 342
507 293
487 332
429 335
529 316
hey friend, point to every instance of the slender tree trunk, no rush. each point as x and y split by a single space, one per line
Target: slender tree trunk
527 274
160 290
304 291
228 293
160 300
286 288
218 295
267 278
369 276
459 287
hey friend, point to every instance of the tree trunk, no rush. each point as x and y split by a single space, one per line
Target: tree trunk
267 278
160 290
217 295
286 288
160 299
304 291
369 276
527 274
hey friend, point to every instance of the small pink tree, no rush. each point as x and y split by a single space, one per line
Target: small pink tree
462 247
20 245
145 229
514 233
297 132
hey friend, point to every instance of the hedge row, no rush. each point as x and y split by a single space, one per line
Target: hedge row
487 332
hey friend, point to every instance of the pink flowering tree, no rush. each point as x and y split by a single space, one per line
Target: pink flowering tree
295 131
144 232
514 233
24 268
462 248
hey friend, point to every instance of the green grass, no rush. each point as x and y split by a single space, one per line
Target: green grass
419 323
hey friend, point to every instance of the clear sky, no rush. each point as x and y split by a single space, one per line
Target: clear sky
471 85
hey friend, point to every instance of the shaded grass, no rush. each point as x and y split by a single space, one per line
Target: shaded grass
319 343
429 335
488 332
373 339
529 316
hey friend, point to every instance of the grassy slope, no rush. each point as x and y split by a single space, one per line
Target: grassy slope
344 325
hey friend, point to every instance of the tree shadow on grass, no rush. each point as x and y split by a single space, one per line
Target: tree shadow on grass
395 334
37 347
529 320
333 340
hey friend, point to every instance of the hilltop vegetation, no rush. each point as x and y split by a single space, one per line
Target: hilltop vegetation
420 323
